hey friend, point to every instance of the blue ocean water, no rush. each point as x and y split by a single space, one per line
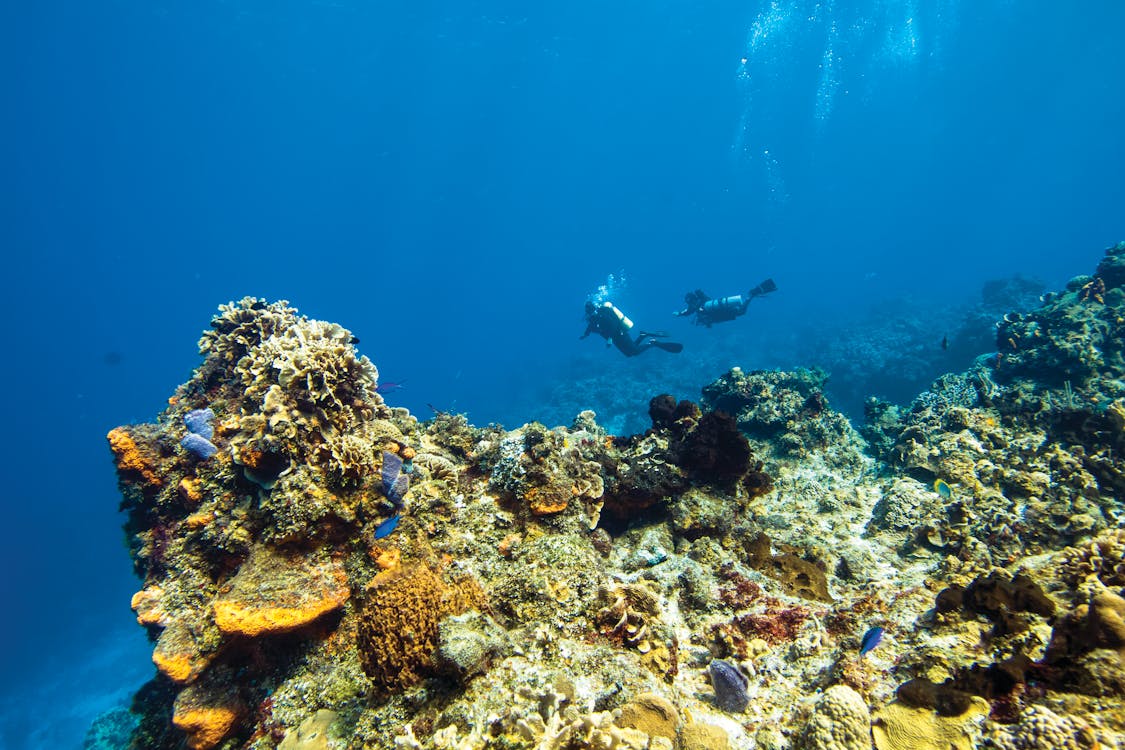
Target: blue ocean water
451 181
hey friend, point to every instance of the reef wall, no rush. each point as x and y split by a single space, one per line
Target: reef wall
321 570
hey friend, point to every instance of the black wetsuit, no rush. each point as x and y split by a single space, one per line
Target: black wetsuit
709 311
605 322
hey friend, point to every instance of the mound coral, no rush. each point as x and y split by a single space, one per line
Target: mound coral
787 410
839 721
1040 728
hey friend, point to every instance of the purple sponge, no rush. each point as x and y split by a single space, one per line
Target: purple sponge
199 445
199 422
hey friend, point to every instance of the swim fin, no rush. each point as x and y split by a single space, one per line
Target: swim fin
765 287
669 346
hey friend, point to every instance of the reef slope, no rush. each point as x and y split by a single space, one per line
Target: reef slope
321 570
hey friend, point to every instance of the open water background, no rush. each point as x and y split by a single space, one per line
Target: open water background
450 181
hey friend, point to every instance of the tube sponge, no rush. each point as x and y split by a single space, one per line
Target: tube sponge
395 482
198 421
730 686
199 445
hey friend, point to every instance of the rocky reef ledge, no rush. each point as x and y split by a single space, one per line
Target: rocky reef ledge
321 570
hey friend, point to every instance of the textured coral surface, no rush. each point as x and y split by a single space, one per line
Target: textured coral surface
569 588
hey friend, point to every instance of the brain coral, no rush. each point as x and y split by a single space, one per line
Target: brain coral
1039 728
840 721
899 726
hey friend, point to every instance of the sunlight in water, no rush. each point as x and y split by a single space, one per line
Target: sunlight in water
833 49
901 41
829 75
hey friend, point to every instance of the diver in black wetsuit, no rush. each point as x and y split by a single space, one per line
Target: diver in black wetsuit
612 325
709 311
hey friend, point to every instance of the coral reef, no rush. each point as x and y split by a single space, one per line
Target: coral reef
787 410
1040 728
337 574
897 347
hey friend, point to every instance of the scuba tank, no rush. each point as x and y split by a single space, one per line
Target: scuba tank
723 306
620 315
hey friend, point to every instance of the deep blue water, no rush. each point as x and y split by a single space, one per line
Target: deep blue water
450 181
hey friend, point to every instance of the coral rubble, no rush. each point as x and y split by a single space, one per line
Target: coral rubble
337 574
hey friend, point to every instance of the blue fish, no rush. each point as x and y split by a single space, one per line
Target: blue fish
386 527
942 489
870 640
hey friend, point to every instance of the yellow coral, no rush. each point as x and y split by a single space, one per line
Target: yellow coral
386 558
176 667
205 727
131 457
548 499
252 621
190 491
198 520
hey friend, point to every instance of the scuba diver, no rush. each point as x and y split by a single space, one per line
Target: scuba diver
709 311
612 325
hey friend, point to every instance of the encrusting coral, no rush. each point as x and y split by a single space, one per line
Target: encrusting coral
337 574
899 726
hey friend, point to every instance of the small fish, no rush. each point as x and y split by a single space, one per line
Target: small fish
388 386
870 640
944 343
942 489
386 527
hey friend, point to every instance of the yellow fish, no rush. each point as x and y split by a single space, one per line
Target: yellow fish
942 489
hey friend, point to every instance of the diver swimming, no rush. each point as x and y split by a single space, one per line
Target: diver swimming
709 311
611 324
